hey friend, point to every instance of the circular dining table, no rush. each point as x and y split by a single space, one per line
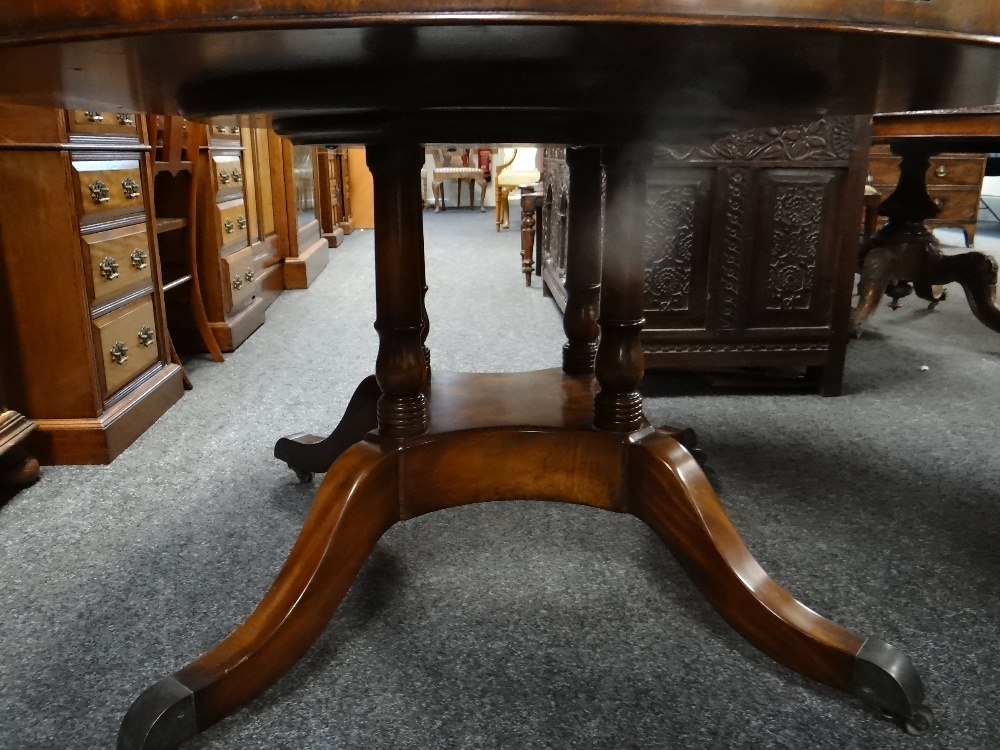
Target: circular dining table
608 79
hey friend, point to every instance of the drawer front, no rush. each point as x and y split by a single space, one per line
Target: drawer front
944 170
955 205
242 282
126 341
956 171
104 123
228 171
118 260
109 186
232 223
884 171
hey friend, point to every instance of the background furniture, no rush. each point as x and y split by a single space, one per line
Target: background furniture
89 362
750 250
904 256
18 469
333 180
457 164
954 183
516 167
589 430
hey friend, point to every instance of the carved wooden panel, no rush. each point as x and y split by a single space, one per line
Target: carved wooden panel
749 248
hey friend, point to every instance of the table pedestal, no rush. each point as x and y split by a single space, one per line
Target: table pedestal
577 435
904 252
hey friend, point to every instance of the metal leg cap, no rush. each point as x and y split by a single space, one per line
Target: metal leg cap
160 719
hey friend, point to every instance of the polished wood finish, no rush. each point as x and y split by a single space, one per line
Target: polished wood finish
531 203
793 61
583 269
18 469
79 278
904 256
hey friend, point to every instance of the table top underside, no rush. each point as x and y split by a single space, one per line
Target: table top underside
530 72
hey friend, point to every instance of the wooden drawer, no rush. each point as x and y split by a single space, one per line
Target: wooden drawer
111 187
944 170
238 269
228 174
963 170
103 123
118 260
956 204
126 343
232 223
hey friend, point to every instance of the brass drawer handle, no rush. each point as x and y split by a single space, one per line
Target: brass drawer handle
241 222
119 353
234 130
941 171
131 188
223 177
99 192
126 119
249 274
237 283
146 336
228 226
109 268
939 202
237 176
94 116
220 129
139 259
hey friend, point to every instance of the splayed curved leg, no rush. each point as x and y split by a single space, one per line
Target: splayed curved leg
668 491
306 454
354 506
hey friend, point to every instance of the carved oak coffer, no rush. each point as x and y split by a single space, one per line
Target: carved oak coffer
751 247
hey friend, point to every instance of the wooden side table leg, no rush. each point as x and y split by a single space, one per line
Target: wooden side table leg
583 261
528 223
619 363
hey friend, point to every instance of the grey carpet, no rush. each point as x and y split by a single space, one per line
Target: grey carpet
520 625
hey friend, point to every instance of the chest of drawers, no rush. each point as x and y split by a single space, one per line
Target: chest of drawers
80 281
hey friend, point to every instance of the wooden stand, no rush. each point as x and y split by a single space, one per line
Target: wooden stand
574 436
903 256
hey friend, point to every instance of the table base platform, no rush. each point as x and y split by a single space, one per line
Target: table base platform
490 437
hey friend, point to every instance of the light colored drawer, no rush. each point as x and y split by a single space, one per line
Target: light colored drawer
228 171
104 123
126 343
955 204
118 261
242 282
232 223
109 186
944 170
956 171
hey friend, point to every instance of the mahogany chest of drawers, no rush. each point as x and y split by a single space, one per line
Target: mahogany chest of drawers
80 282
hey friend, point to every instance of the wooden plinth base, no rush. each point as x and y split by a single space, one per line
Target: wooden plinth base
496 437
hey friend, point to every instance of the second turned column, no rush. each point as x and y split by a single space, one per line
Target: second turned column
619 365
401 365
